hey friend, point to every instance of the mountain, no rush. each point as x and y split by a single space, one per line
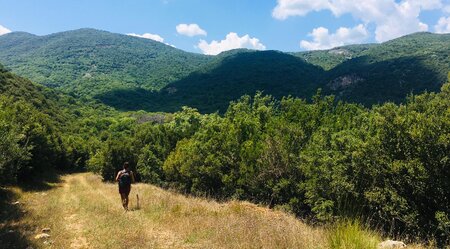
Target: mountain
132 73
20 89
226 78
367 74
43 129
330 58
87 61
392 70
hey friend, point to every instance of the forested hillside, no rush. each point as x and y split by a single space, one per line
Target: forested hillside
392 70
86 62
329 59
42 130
131 73
226 78
366 74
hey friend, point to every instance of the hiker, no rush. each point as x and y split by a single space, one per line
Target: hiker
125 177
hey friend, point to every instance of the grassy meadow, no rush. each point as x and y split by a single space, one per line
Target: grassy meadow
81 211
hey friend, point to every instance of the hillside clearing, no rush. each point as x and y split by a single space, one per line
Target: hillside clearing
83 212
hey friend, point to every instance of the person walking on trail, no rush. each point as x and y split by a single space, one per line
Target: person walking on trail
125 177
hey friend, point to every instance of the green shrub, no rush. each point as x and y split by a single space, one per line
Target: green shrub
351 234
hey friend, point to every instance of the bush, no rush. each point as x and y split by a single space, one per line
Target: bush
350 234
321 159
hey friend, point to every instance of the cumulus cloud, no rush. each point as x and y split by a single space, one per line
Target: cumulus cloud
391 18
447 8
322 39
287 8
231 41
148 36
190 30
443 25
4 30
154 37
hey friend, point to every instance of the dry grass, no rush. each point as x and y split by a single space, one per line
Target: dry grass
83 212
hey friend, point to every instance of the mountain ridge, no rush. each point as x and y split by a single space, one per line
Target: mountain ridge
93 59
131 73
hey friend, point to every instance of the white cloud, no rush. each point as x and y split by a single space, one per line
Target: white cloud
154 37
190 30
447 9
287 8
232 41
443 25
148 36
322 39
391 18
4 30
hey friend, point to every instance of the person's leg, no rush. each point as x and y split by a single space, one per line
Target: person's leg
124 200
127 193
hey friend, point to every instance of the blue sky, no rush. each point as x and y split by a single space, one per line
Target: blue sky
212 26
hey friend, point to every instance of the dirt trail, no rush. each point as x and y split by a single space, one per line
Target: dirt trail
84 212
75 215
73 223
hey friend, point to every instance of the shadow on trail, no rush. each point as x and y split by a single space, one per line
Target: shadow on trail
41 183
13 233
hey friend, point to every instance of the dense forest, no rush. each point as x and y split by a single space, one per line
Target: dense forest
86 62
365 74
319 158
130 73
41 129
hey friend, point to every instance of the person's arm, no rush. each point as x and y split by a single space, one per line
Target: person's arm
118 175
132 177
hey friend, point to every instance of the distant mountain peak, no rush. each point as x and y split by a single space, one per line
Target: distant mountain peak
19 33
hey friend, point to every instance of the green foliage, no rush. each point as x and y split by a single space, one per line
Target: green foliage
29 145
155 142
13 146
131 73
114 148
352 235
226 78
365 74
145 146
86 62
42 130
329 59
116 153
321 159
443 221
221 157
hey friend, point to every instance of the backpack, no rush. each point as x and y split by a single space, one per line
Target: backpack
125 179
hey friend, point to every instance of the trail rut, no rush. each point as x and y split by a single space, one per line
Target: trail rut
84 212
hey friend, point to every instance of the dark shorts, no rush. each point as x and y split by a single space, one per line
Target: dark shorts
124 190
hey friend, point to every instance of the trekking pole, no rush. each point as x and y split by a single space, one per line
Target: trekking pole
137 199
137 202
